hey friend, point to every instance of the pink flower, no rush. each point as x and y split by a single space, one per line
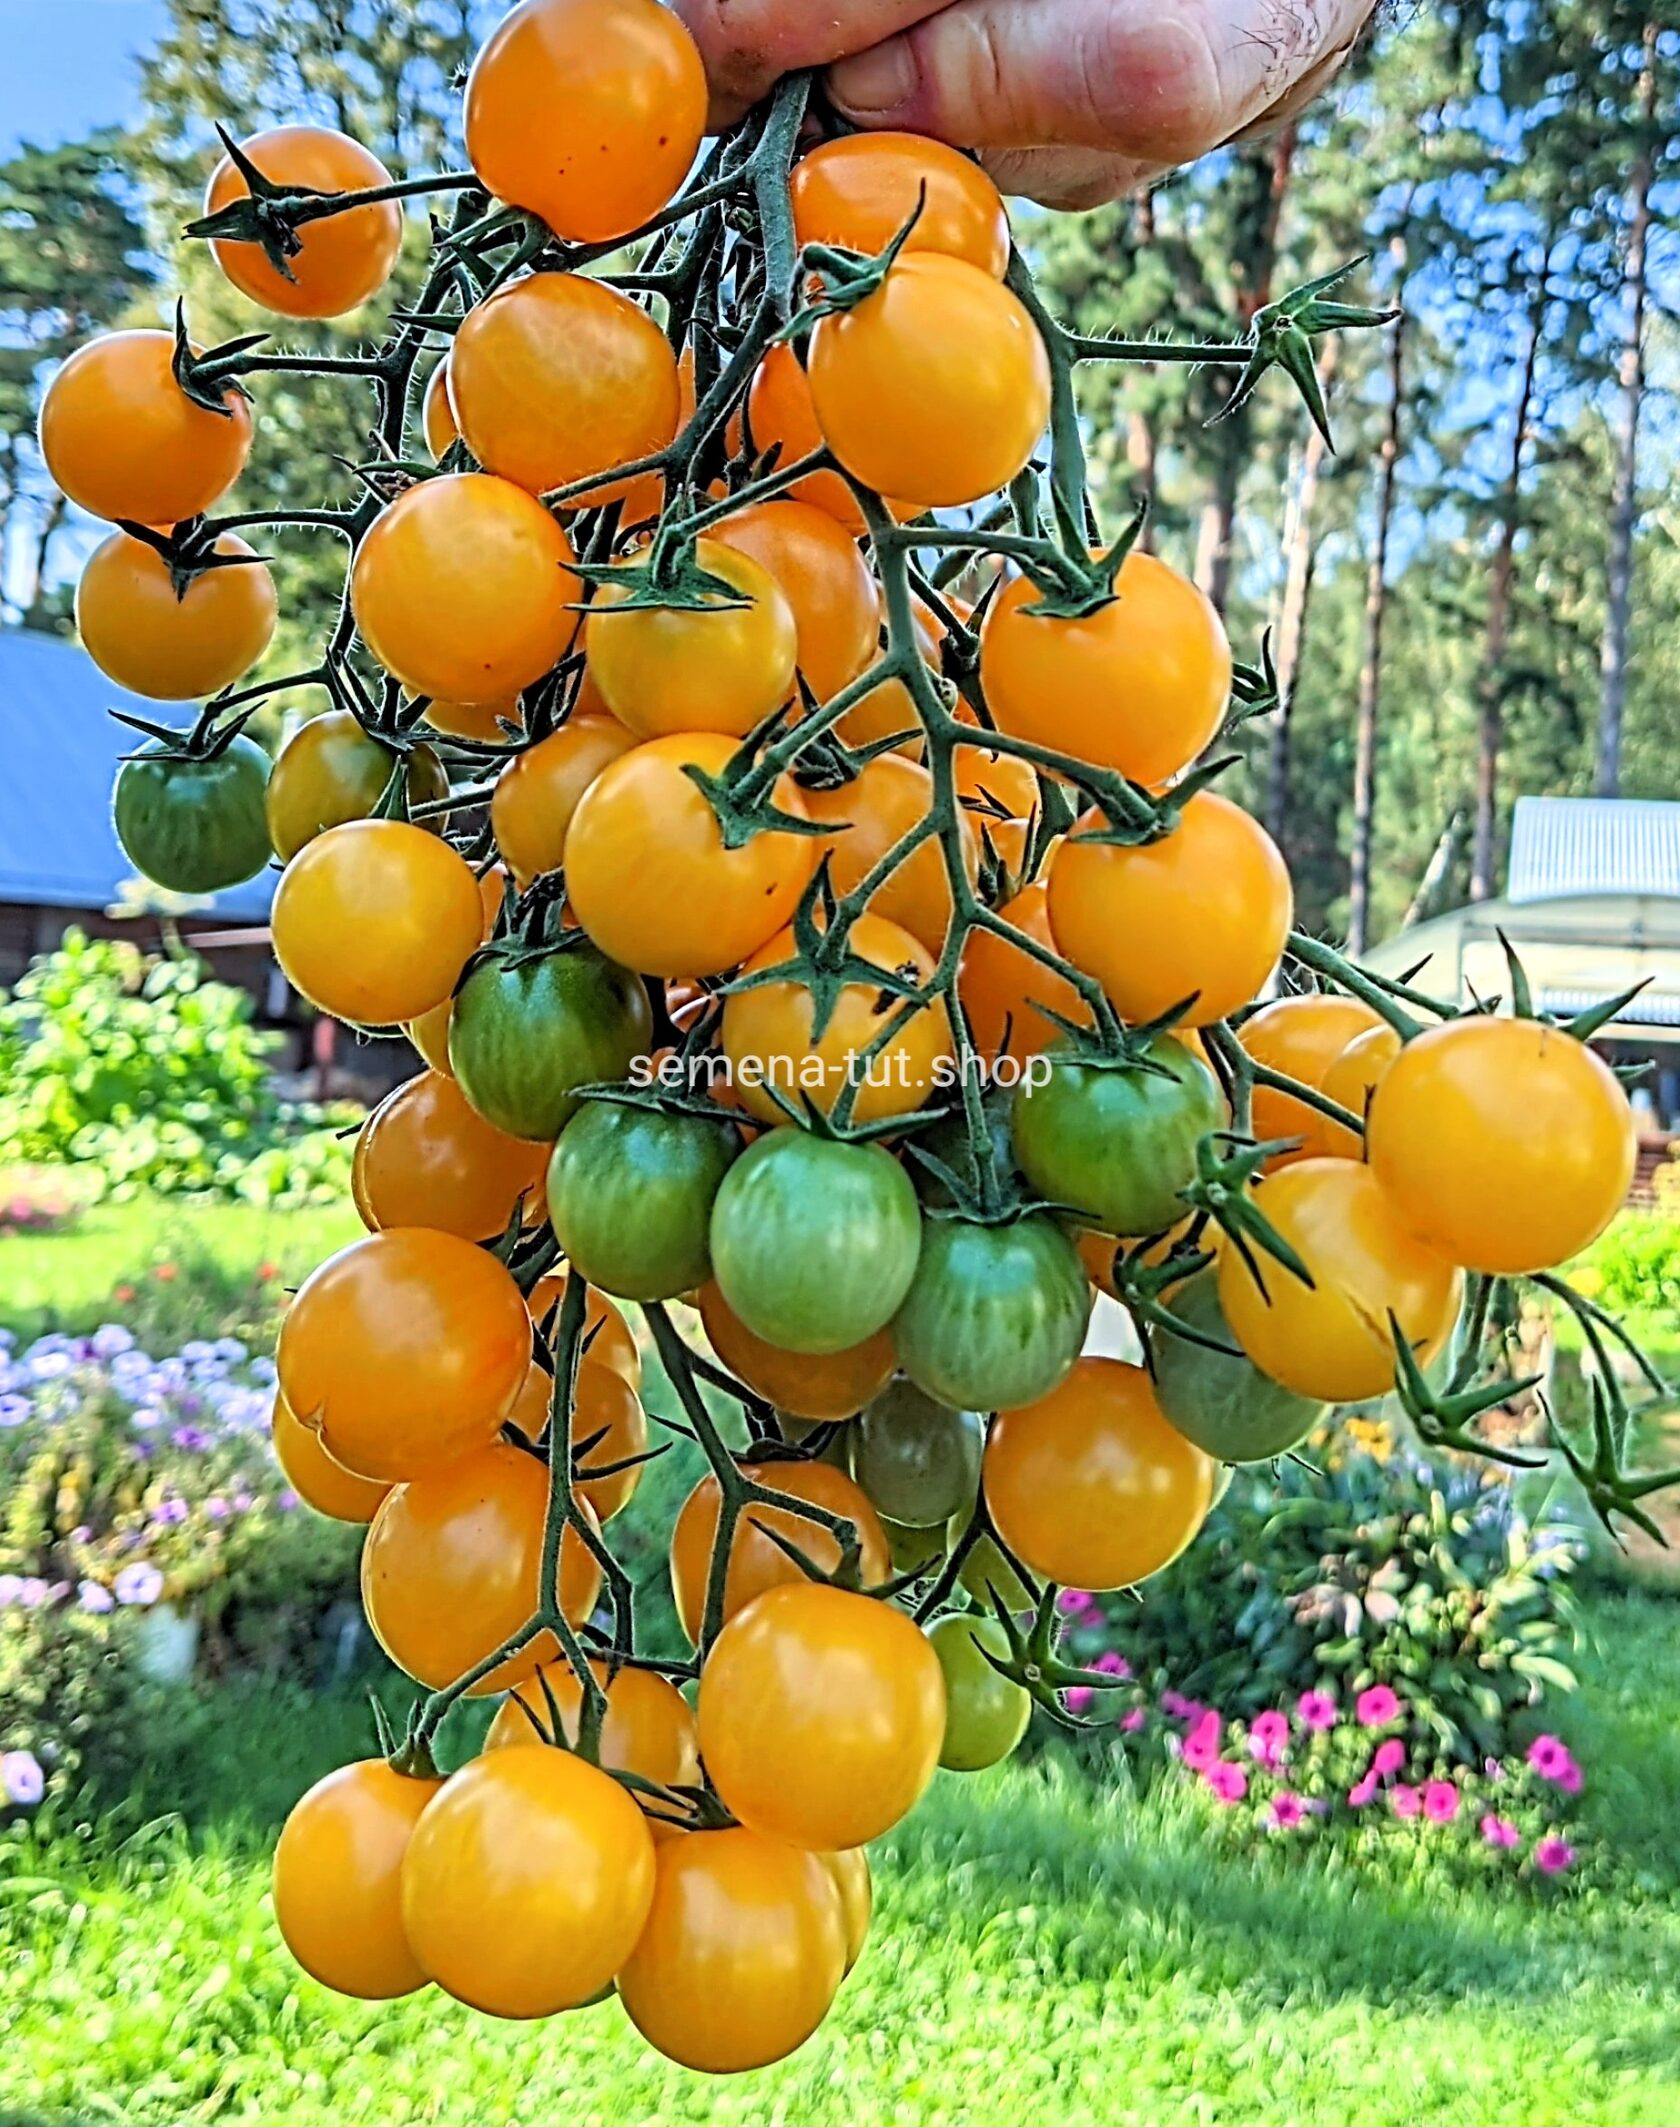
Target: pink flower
1405 1801
1077 1697
1074 1602
1362 1792
1390 1757
1499 1831
1270 1731
1376 1707
1177 1707
1440 1801
1201 1746
1553 1855
1570 1778
1109 1663
1131 1722
1316 1709
1286 1812
1229 1782
1548 1756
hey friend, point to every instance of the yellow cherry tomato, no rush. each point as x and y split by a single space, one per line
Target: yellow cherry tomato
317 1480
342 260
1351 1081
1301 1037
874 812
174 647
338 1880
538 792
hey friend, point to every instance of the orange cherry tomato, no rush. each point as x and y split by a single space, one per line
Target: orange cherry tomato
1332 1340
1204 913
539 790
825 580
756 1561
437 418
647 1729
1351 1082
650 878
484 722
556 378
588 113
821 1716
317 1480
817 1389
606 1335
343 260
452 1568
1301 1037
890 709
875 811
742 1955
783 421
174 648
995 787
527 1882
462 589
338 1880
374 921
857 193
1001 987
404 1351
937 386
430 1031
1508 1145
123 440
1139 686
767 1033
428 1159
609 1426
850 1870
1092 1487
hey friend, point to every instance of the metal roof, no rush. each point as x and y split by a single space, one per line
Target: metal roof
1575 846
59 750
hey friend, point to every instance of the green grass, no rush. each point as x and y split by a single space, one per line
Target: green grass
1041 1951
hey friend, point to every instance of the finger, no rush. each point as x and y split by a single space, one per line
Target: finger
748 45
1069 179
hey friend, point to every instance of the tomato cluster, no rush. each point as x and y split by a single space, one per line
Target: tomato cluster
869 966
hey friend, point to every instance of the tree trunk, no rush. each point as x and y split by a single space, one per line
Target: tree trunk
1422 903
1300 554
1624 505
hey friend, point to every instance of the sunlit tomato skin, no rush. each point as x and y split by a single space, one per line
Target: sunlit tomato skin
526 1034
822 574
1217 1399
537 793
331 771
313 1475
917 1461
646 1730
936 387
857 193
338 1880
426 1157
1508 1145
374 921
821 1716
437 416
463 588
888 710
169 648
587 113
343 260
527 1882
1139 686
986 1714
996 1314
1092 1487
452 1567
1006 992
1351 1082
818 1389
650 878
557 378
194 826
123 440
630 1195
1203 914
756 1560
768 1034
875 811
606 1335
850 1870
403 1351
430 1031
742 1955
1332 1340
784 425
1301 1037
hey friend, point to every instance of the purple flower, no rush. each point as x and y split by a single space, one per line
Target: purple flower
216 1509
1111 1664
1390 1757
1074 1602
144 1418
1229 1782
111 1341
1376 1707
1178 1708
11 1588
1131 1722
1405 1801
1077 1697
191 1439
168 1512
1440 1801
138 1585
287 1502
1316 1709
92 1596
14 1410
1553 1855
1361 1792
1499 1831
1286 1812
242 1502
31 1593
21 1778
1570 1779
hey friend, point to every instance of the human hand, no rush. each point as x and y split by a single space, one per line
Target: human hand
1070 102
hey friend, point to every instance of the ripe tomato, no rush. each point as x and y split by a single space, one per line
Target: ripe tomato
587 113
917 1461
403 1351
784 422
1301 1037
1331 1340
312 1474
996 1315
825 580
819 1389
331 771
606 1335
123 440
609 1428
338 1880
437 417
850 1870
650 878
814 1244
821 1716
756 1560
1204 913
452 1567
1000 794
630 1194
169 648
427 1158
986 1714
936 387
556 377
538 792
889 710
647 1729
767 1033
481 721
857 193
1002 988
1221 1401
1139 686
742 1955
663 671
374 921
527 1882
1508 1145
344 259
875 812
526 1034
1092 1487
1117 1141
1352 1081
194 826
462 589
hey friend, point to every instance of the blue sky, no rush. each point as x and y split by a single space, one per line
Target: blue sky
69 65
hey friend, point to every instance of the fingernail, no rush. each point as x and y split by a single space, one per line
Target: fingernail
876 81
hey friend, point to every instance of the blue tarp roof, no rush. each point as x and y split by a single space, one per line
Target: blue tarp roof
59 750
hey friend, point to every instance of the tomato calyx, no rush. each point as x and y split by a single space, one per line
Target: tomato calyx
208 379
1033 1663
409 1755
206 739
825 965
1443 1417
266 215
668 580
742 797
1281 336
1582 1027
1141 1287
847 278
1227 1167
1073 581
188 551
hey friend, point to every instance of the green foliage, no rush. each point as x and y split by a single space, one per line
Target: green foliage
1634 1267
71 1697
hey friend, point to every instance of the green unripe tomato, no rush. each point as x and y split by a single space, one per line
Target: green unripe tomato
986 1715
630 1193
331 770
997 1314
192 826
985 1572
527 1033
918 1461
1221 1401
915 1550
